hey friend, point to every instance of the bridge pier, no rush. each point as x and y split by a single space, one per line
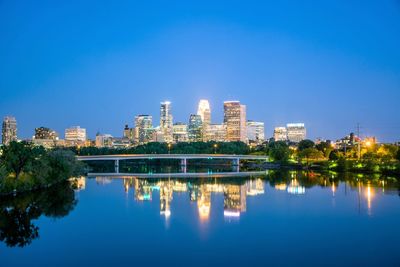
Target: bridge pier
116 166
236 165
183 165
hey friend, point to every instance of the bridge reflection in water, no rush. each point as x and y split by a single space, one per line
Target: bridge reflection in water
183 159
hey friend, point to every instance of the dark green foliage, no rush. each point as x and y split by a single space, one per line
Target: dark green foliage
17 157
39 166
304 144
334 155
398 155
278 151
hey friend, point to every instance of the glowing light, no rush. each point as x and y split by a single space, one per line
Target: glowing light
228 213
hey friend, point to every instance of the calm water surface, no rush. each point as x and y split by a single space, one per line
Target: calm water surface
275 219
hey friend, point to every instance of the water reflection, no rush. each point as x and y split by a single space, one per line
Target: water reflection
18 213
235 191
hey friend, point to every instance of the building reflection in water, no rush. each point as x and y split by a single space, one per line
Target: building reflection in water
295 188
234 200
204 202
235 192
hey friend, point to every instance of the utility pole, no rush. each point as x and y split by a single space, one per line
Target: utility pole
359 141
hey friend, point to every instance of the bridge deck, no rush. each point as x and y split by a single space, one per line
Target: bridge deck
170 156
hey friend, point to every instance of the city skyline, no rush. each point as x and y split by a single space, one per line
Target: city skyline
287 62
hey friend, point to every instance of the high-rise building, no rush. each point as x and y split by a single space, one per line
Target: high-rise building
205 113
216 132
296 132
144 128
45 133
235 121
280 134
255 132
75 135
195 131
166 119
9 130
180 132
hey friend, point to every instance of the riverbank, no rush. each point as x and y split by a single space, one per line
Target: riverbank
26 168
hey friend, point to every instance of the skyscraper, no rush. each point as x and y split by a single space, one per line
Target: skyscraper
255 132
166 125
144 128
195 131
235 120
9 131
204 111
296 132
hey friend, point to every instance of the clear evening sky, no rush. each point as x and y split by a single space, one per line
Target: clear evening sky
329 64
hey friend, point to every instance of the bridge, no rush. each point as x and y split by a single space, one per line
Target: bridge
235 159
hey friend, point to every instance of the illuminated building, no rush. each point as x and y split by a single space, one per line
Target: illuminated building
280 134
9 130
234 200
180 132
129 133
255 132
216 132
195 128
296 132
205 113
45 133
75 135
235 121
166 121
144 128
104 140
46 137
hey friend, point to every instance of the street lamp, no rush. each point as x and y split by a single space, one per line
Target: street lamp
215 148
169 148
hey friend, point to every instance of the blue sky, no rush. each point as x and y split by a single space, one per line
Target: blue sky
330 64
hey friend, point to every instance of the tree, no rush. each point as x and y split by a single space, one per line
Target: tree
310 154
398 154
17 157
304 144
278 151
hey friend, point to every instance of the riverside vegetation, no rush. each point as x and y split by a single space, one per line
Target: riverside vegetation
24 167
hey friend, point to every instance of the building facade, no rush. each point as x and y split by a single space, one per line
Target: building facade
104 140
166 121
143 129
195 131
280 134
180 132
9 130
235 121
296 132
75 135
255 132
216 132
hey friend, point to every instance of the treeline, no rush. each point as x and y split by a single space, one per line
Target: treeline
384 158
24 167
164 148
